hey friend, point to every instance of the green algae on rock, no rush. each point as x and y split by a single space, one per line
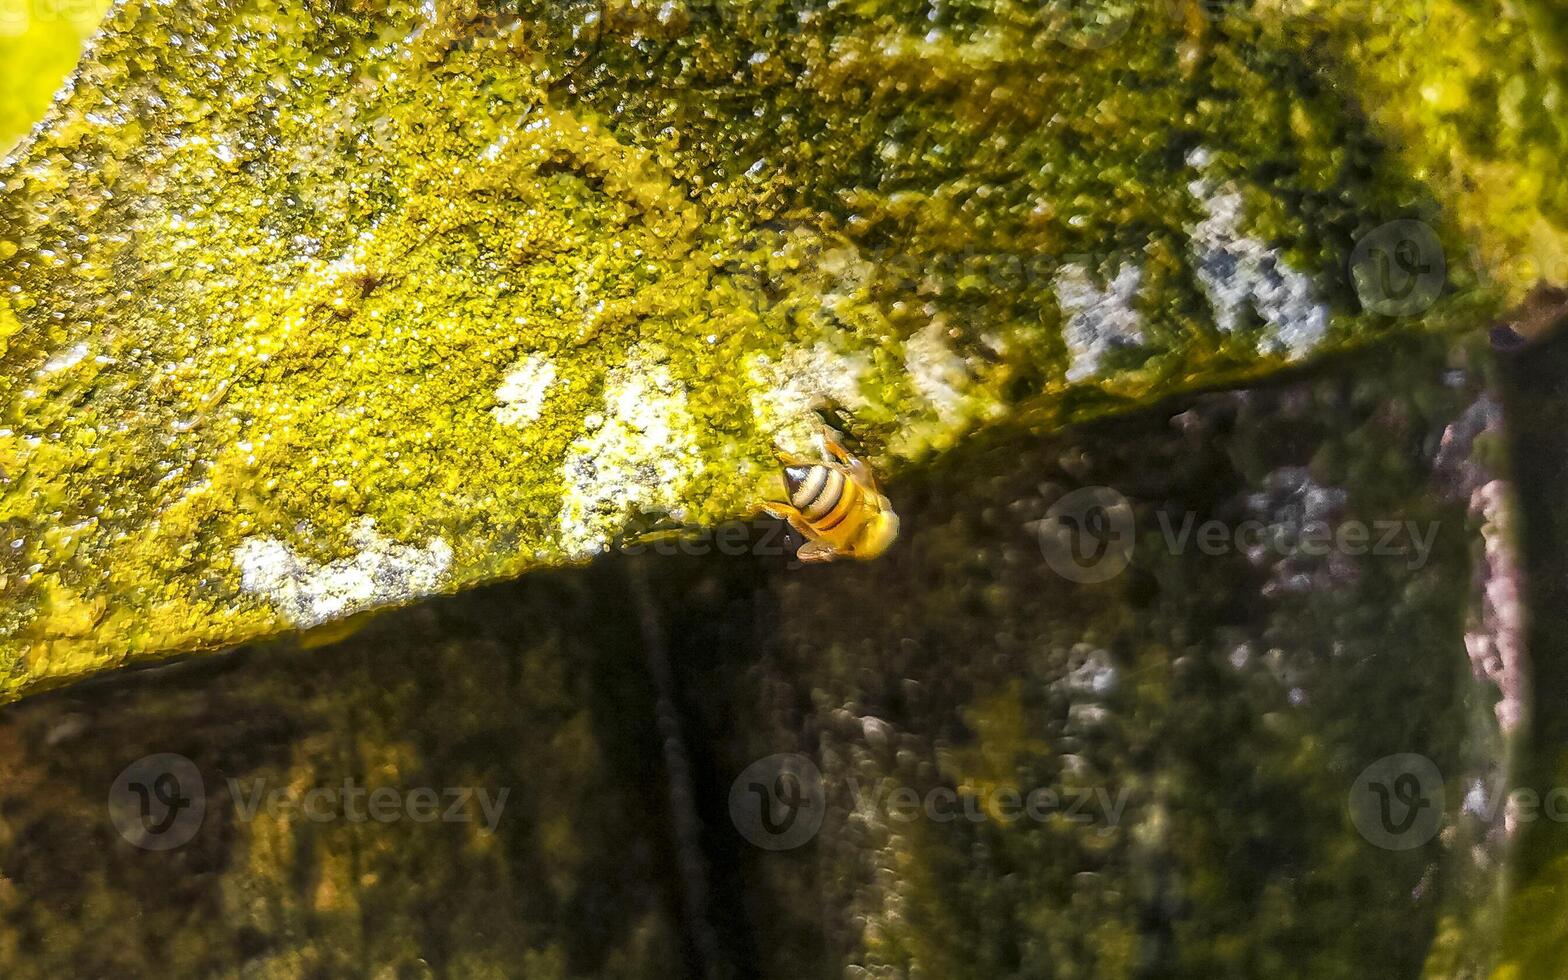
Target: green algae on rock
1469 96
306 310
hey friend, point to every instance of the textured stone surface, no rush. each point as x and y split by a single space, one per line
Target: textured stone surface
306 309
531 693
1229 700
1536 410
1216 709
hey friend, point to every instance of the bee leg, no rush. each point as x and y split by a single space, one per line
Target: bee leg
791 459
810 551
813 552
778 511
787 513
834 441
857 467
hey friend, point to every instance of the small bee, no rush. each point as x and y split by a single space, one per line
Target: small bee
835 505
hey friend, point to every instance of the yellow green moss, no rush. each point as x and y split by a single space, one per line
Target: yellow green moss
275 268
1467 93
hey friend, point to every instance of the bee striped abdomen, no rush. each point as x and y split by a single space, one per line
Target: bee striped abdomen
836 506
821 494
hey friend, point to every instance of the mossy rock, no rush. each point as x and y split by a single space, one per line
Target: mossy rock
307 310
